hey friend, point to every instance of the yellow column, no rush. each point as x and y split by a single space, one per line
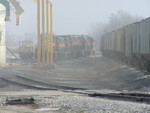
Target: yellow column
51 15
43 34
47 15
38 34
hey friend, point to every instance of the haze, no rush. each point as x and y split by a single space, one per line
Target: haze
76 16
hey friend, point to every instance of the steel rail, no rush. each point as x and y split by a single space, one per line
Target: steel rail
39 85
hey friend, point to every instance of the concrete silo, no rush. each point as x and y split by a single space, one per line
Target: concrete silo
5 16
2 36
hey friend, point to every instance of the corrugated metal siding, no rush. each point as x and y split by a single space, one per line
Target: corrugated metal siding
112 40
136 38
115 41
123 40
109 41
145 36
118 33
105 42
128 36
102 43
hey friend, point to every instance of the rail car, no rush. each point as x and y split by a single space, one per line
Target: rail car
26 50
129 44
71 46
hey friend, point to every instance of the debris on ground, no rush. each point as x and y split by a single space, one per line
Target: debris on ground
20 101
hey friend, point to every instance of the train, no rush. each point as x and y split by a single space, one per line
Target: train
129 44
64 47
26 49
70 46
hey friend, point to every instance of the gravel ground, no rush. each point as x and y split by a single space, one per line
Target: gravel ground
93 105
92 73
59 102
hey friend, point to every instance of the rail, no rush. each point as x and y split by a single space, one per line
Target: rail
39 85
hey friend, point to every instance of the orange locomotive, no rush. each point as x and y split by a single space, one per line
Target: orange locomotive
71 46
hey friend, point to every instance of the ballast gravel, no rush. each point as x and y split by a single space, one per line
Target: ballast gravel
65 102
84 104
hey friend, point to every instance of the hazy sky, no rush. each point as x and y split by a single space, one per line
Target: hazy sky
77 16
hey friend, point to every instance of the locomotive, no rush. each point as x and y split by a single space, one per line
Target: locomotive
26 49
70 46
129 44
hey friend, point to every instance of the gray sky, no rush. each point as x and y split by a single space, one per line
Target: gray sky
77 16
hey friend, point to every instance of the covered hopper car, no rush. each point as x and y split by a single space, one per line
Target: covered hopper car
129 44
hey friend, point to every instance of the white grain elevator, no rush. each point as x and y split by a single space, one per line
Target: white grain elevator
5 16
2 36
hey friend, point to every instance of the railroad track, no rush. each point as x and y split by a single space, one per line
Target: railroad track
39 85
36 84
133 97
138 83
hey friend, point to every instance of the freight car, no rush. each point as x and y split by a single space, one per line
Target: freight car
129 44
26 50
71 46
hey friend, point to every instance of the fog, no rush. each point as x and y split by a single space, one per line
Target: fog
90 17
75 16
70 64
